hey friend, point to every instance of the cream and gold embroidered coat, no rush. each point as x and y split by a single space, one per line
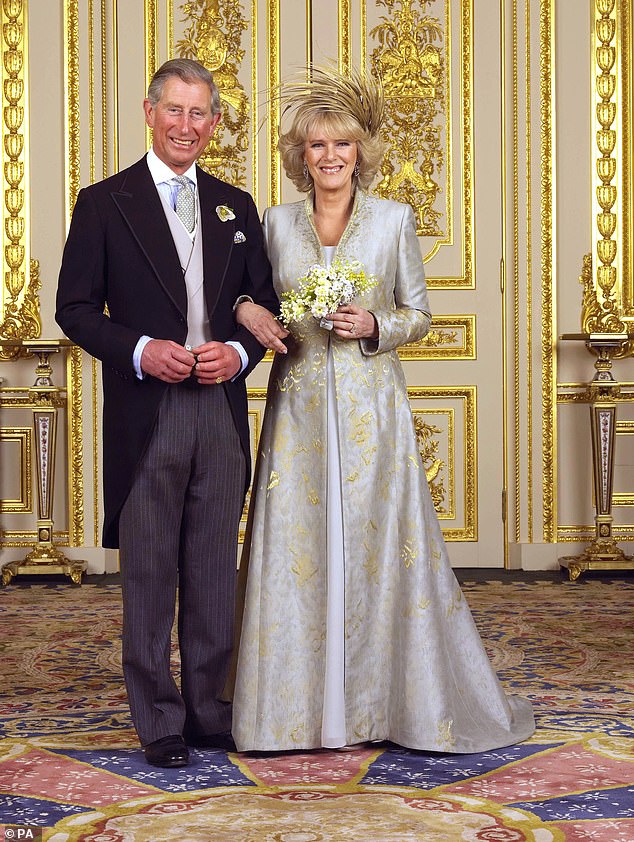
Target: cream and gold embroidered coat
415 669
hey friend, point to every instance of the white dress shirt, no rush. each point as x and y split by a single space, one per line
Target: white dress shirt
162 176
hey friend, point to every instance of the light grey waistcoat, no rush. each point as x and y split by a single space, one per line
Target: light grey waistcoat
190 254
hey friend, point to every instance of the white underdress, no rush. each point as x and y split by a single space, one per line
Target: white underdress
333 727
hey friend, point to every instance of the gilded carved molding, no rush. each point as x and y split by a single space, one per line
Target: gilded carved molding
547 106
214 38
627 115
74 404
529 280
273 109
595 317
344 34
13 538
585 534
607 304
73 360
522 354
96 484
20 317
72 109
151 45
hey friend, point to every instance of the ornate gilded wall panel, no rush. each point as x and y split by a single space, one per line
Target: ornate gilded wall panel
411 58
20 316
452 472
437 443
429 106
450 337
214 35
20 434
21 462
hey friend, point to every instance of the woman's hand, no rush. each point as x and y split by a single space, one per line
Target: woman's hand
353 322
263 325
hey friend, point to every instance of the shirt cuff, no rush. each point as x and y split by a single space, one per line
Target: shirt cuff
244 359
138 353
241 299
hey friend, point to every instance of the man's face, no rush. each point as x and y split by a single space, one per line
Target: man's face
182 123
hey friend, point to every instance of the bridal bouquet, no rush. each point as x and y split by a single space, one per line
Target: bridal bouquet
321 290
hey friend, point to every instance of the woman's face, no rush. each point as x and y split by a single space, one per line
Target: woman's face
330 161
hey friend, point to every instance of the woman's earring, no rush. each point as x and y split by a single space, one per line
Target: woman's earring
305 170
356 169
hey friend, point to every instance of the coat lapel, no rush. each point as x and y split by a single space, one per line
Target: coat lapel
139 204
217 235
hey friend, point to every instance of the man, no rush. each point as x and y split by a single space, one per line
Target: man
169 259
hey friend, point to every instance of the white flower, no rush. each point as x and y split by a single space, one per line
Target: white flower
225 213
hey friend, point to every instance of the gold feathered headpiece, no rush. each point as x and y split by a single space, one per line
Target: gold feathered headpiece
329 90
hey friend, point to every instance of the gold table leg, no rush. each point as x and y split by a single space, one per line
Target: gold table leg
603 553
44 557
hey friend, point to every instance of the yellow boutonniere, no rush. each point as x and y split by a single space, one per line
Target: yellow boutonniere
225 213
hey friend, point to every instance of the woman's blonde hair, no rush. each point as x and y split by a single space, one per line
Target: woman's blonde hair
341 106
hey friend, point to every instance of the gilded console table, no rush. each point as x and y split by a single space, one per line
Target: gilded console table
603 553
45 398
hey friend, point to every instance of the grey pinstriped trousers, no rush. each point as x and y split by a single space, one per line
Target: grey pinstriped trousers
178 527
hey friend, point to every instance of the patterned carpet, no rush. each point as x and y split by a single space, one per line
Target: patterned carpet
70 763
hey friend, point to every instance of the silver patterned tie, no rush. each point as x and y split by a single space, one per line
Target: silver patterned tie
185 202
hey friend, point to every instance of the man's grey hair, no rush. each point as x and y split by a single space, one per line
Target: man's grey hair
188 71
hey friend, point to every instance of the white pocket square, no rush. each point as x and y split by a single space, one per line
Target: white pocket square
239 237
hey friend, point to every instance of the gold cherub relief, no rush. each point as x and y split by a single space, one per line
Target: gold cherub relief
411 66
214 38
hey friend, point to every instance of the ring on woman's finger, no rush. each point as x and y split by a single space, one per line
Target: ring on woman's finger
353 327
218 380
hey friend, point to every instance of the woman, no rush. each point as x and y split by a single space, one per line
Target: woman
354 626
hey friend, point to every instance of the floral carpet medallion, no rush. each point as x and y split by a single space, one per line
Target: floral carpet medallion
70 763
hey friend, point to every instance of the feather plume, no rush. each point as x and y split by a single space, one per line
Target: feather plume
327 89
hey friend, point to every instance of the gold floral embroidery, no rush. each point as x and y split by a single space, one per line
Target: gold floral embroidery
297 735
303 568
452 607
292 379
371 564
368 455
435 556
317 636
409 552
274 480
445 736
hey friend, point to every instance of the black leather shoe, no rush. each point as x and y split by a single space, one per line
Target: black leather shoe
222 741
168 752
